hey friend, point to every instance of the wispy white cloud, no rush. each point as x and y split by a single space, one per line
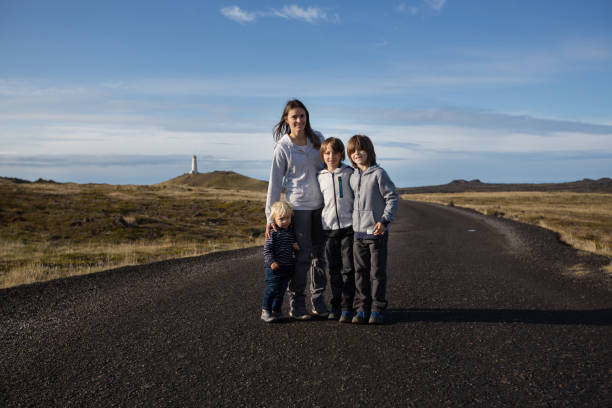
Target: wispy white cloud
436 5
588 49
235 13
485 120
289 12
444 69
452 69
405 8
445 130
310 14
414 135
420 8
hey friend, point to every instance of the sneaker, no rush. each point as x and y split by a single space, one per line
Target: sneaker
267 316
279 315
321 315
302 317
376 318
346 316
360 318
334 314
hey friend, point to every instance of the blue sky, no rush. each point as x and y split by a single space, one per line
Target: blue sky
126 92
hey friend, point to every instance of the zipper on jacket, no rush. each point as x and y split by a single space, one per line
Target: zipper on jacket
336 202
358 201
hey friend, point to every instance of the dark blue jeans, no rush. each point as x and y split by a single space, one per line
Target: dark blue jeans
276 285
339 259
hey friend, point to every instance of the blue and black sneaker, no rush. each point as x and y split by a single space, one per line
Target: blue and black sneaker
360 318
346 316
376 318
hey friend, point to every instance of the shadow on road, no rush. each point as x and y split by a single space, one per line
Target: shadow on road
600 317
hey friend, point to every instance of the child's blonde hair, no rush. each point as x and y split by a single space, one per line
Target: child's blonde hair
280 209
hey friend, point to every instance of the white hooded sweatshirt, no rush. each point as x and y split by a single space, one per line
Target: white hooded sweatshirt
295 169
337 196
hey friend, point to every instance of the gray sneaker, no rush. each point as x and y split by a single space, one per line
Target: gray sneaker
301 317
321 315
334 314
268 317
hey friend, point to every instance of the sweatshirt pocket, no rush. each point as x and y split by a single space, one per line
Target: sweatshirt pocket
295 192
366 221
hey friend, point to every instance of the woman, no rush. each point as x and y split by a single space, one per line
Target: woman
294 168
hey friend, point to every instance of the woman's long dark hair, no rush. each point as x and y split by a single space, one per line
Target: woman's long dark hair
283 128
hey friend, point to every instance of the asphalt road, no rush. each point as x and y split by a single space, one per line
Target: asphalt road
482 312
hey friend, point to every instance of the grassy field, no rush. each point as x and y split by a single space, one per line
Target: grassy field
582 220
51 230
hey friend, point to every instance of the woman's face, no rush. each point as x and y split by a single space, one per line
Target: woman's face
296 119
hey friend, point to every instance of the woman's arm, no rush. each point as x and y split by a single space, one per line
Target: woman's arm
278 170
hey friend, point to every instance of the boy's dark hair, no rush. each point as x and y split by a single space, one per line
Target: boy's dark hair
335 144
361 142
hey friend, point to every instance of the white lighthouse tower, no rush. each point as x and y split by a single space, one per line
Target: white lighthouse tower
194 165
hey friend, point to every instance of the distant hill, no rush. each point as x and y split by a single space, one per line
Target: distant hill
14 180
219 179
603 185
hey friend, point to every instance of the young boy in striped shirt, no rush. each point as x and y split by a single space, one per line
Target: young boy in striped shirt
279 262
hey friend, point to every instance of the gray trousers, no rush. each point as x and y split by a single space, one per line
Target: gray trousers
370 257
309 263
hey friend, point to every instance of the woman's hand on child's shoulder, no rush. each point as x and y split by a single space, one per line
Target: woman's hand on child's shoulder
270 226
296 246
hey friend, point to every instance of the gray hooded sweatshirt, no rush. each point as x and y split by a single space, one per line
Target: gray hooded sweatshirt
375 200
337 197
295 169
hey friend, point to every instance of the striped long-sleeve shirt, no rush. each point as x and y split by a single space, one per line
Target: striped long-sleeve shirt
279 247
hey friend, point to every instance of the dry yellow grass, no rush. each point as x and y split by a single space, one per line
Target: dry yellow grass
45 262
583 220
53 230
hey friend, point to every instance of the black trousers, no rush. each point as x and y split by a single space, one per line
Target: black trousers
370 256
340 269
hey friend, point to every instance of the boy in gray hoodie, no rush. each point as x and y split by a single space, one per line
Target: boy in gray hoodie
374 208
337 221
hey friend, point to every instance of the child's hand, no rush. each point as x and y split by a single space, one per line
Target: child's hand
296 246
379 228
274 266
268 227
